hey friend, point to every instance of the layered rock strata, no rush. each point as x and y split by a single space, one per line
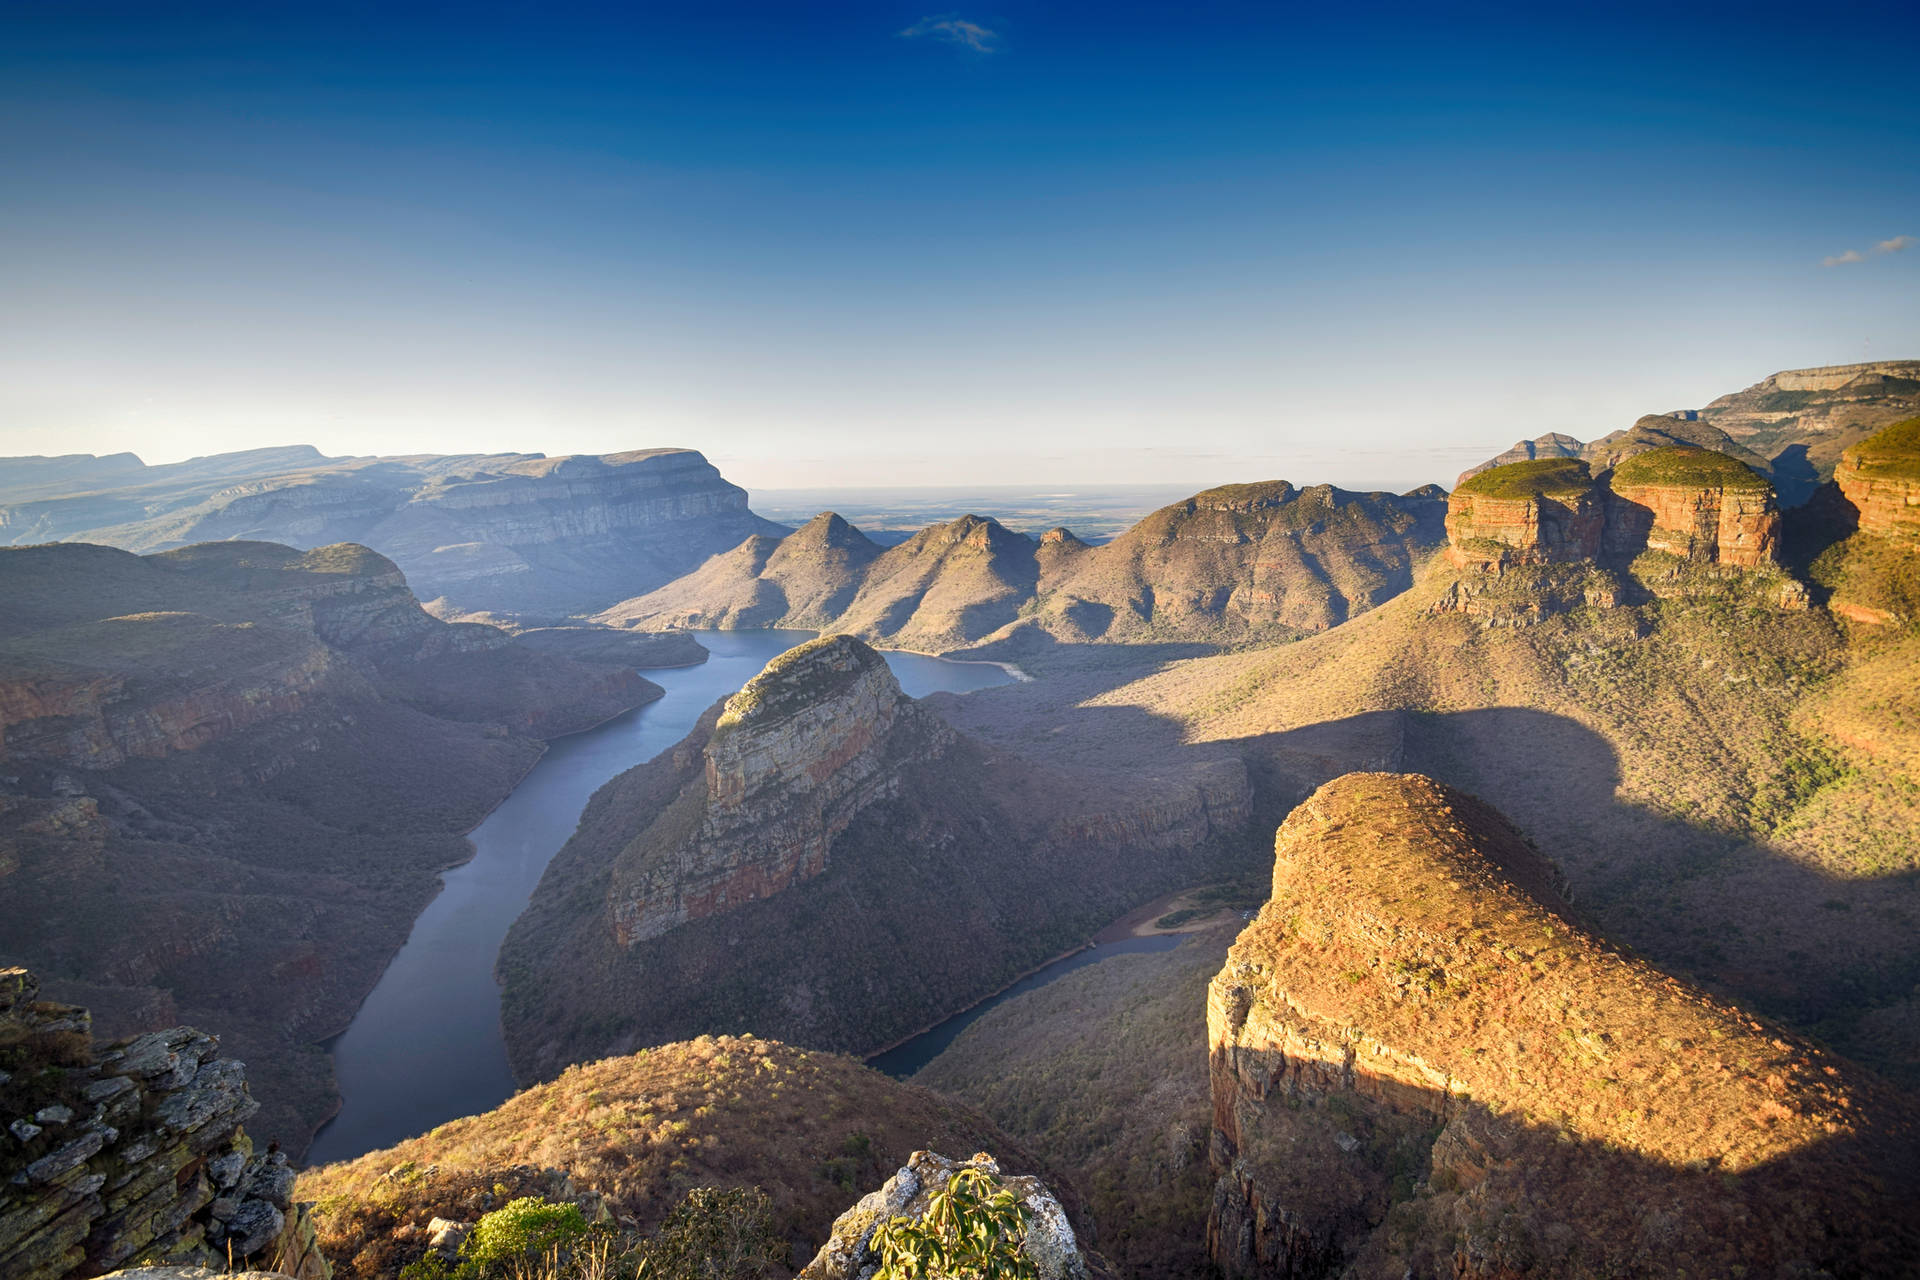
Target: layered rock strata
1423 1065
1548 511
1049 1242
132 1152
1880 477
1693 504
796 756
512 534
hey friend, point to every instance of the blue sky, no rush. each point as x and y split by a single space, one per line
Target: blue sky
899 244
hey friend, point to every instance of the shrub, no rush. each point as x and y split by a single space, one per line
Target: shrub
524 1238
715 1234
972 1230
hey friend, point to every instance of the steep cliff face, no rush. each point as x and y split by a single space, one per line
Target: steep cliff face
1538 538
1693 504
797 755
132 1150
1423 1065
231 774
1543 512
1880 476
825 861
510 534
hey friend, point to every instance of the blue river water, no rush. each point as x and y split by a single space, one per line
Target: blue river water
426 1047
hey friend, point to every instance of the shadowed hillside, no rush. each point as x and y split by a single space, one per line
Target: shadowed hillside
229 774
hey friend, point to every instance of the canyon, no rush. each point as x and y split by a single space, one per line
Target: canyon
887 871
230 773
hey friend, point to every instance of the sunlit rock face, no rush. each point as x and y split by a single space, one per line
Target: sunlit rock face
808 744
1423 1065
1693 504
1543 512
1880 477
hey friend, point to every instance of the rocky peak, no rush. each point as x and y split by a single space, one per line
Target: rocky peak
132 1149
1880 476
1417 1036
1061 538
830 529
794 757
1049 1243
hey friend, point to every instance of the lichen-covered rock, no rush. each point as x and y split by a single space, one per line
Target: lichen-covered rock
1049 1242
141 1156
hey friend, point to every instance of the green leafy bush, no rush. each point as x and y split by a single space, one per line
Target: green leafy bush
524 1239
715 1234
972 1230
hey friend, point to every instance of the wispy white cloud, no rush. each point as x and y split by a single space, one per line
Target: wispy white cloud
953 29
1896 245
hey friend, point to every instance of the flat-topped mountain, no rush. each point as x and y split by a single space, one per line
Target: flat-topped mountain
1791 427
1236 565
824 860
508 534
1425 1065
230 773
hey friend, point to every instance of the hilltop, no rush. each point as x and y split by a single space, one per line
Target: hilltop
886 870
1425 1064
230 773
508 534
1241 564
1790 427
628 1137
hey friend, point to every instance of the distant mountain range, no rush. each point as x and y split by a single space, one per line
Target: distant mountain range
506 534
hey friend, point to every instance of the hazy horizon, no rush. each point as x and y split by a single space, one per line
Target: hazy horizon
882 245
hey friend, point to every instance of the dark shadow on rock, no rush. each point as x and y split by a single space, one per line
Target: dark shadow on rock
1795 478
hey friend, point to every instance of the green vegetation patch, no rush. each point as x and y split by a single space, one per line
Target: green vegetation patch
1685 465
1538 478
1894 451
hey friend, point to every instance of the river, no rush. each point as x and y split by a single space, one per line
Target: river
426 1046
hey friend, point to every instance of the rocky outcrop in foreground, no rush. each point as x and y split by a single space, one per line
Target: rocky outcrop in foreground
1423 1065
132 1152
1049 1243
